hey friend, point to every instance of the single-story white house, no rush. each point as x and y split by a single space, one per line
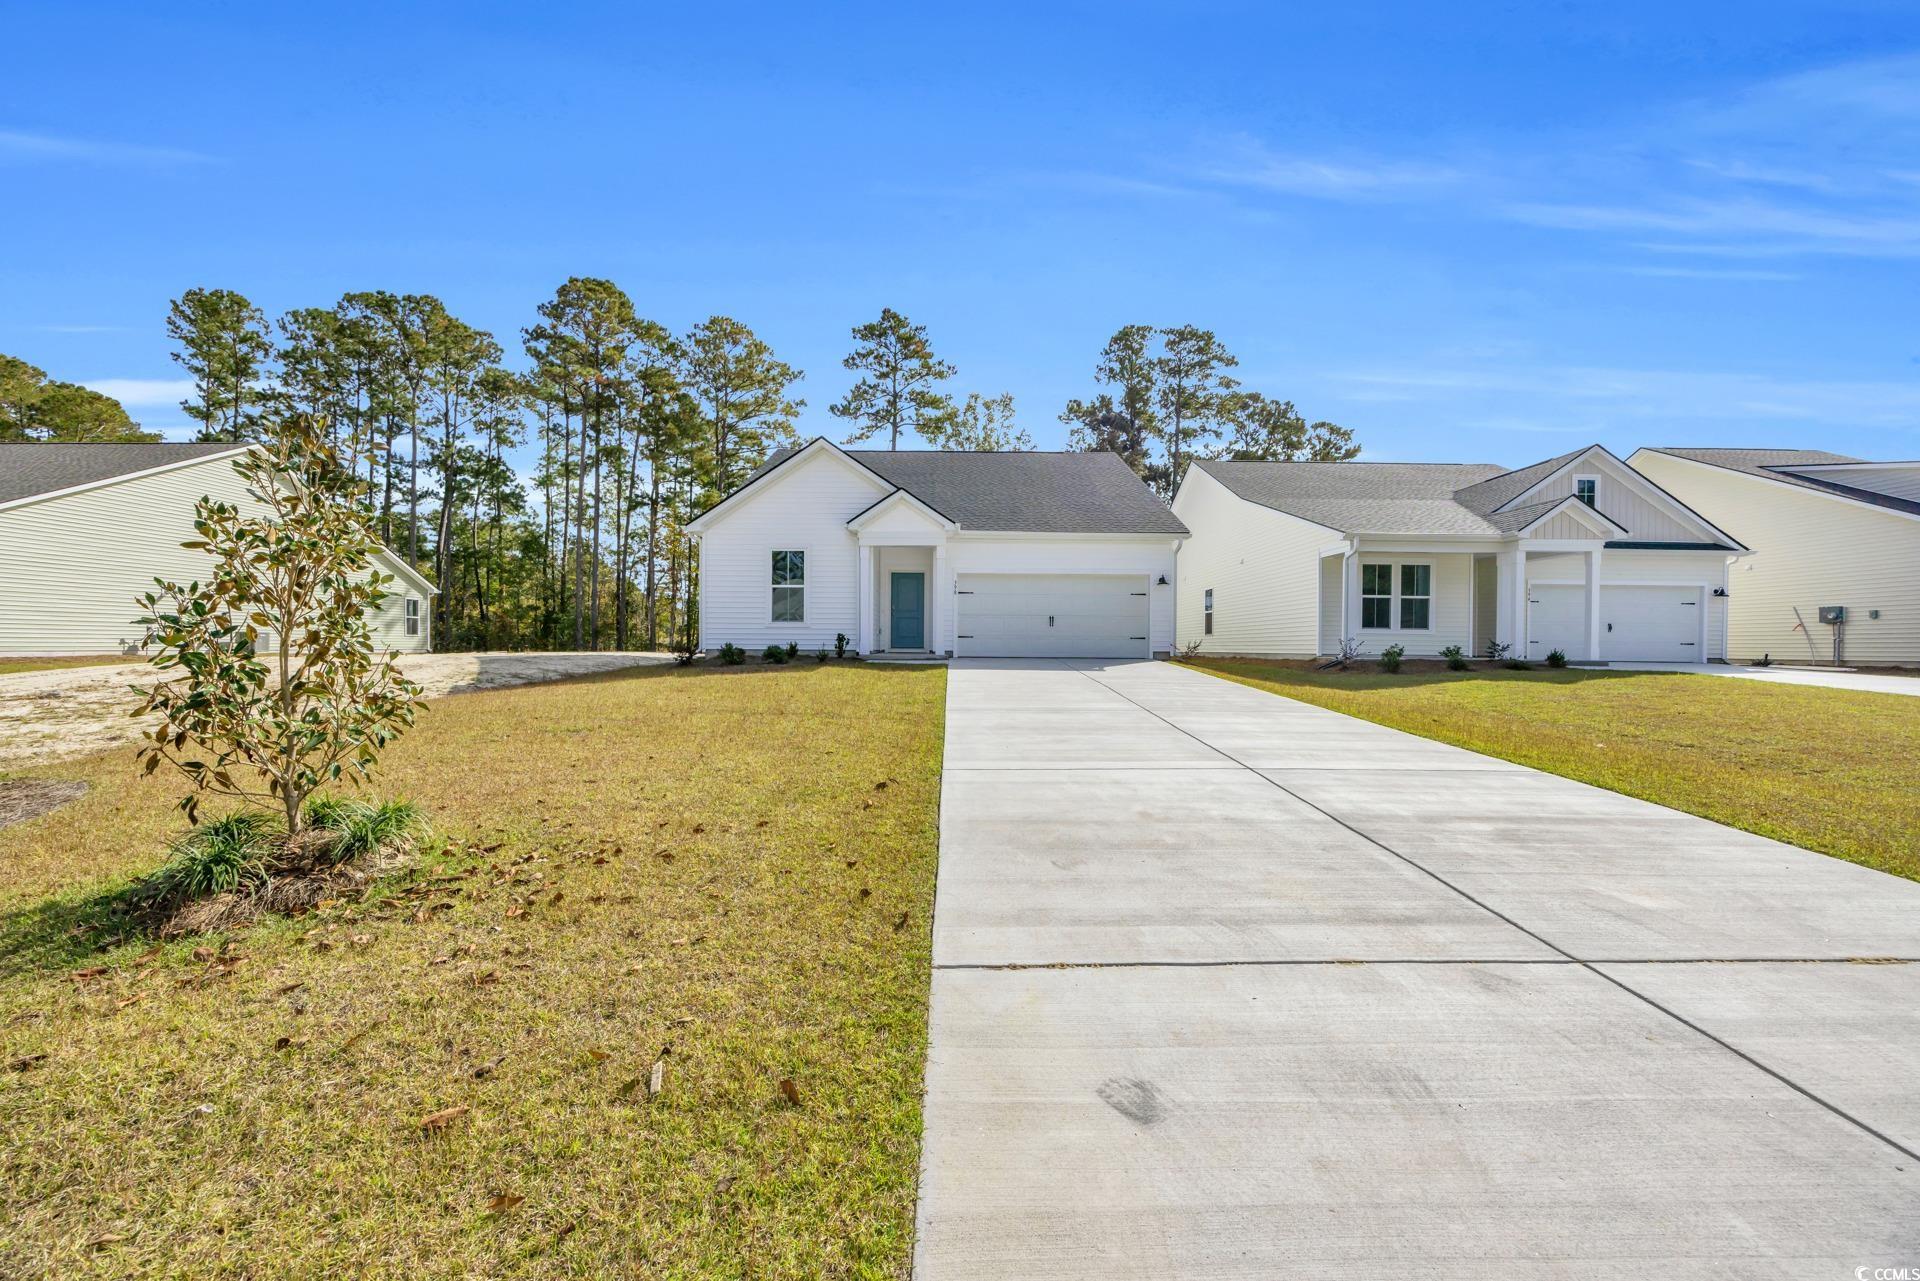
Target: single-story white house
86 528
1580 554
1829 532
1021 554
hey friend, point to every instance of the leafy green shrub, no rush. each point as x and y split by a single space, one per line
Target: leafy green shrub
793 649
1497 651
1390 657
840 643
215 857
1518 665
1456 658
1556 658
775 654
821 657
364 828
732 655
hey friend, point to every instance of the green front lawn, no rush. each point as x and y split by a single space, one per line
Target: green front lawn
1830 770
725 873
14 666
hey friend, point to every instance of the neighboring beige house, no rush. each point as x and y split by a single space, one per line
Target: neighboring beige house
1579 553
1828 530
1016 554
85 528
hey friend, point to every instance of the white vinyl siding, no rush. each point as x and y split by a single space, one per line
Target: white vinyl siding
1450 612
1625 499
1809 550
1262 565
806 508
74 563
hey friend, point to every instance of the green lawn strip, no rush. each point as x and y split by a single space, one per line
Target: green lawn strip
655 866
1830 770
14 666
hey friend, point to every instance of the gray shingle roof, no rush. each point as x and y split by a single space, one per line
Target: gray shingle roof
1395 498
1778 464
27 469
1384 498
1023 492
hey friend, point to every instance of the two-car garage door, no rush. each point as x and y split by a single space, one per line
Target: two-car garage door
1640 623
1051 615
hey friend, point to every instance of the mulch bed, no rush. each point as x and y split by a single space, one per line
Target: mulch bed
25 798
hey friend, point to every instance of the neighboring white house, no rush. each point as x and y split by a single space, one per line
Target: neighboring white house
1827 530
85 528
1579 553
971 554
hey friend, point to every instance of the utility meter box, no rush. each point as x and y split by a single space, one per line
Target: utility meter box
1833 613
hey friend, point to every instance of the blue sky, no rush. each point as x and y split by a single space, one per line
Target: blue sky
1468 232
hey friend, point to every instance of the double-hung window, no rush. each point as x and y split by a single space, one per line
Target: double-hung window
413 616
789 587
1416 597
1376 596
1207 612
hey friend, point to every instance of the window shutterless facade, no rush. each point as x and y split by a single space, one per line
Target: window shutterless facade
789 587
1206 612
413 616
1587 489
1396 596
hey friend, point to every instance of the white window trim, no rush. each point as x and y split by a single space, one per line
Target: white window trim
1393 598
1206 612
1596 479
806 569
412 614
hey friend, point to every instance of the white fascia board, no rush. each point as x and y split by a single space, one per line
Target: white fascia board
900 498
819 444
123 477
1580 512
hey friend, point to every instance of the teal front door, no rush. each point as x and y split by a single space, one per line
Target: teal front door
909 628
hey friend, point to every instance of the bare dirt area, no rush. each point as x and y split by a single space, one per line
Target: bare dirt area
25 798
54 715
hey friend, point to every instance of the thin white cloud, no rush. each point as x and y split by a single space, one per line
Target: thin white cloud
134 392
1710 273
1246 162
20 145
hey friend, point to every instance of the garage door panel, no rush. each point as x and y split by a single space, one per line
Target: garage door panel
1051 616
1638 623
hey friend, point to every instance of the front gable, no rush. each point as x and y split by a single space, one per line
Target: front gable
901 515
819 475
1627 499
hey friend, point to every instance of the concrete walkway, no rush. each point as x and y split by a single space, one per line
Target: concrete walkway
1860 682
1227 985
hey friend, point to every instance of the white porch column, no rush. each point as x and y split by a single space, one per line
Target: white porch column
939 599
1350 598
1593 605
864 641
1512 594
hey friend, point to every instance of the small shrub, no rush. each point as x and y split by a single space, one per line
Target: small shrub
1189 651
365 828
821 657
1556 658
840 643
775 654
1390 657
732 655
1518 665
225 854
1456 658
793 649
1349 650
1497 651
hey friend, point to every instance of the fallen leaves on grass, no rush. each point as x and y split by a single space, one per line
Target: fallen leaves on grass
503 1201
789 1091
438 1121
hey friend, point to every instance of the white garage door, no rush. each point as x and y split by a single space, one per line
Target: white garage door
1051 616
1637 624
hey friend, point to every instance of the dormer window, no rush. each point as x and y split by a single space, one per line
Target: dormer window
1587 489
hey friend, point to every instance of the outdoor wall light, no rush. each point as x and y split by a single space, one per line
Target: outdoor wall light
1162 582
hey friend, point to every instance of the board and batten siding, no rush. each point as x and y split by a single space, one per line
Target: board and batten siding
803 507
72 564
1621 497
1263 567
1809 550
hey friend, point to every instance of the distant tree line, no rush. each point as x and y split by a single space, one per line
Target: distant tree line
633 430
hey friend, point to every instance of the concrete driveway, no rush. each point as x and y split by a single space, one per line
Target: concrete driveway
1227 985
